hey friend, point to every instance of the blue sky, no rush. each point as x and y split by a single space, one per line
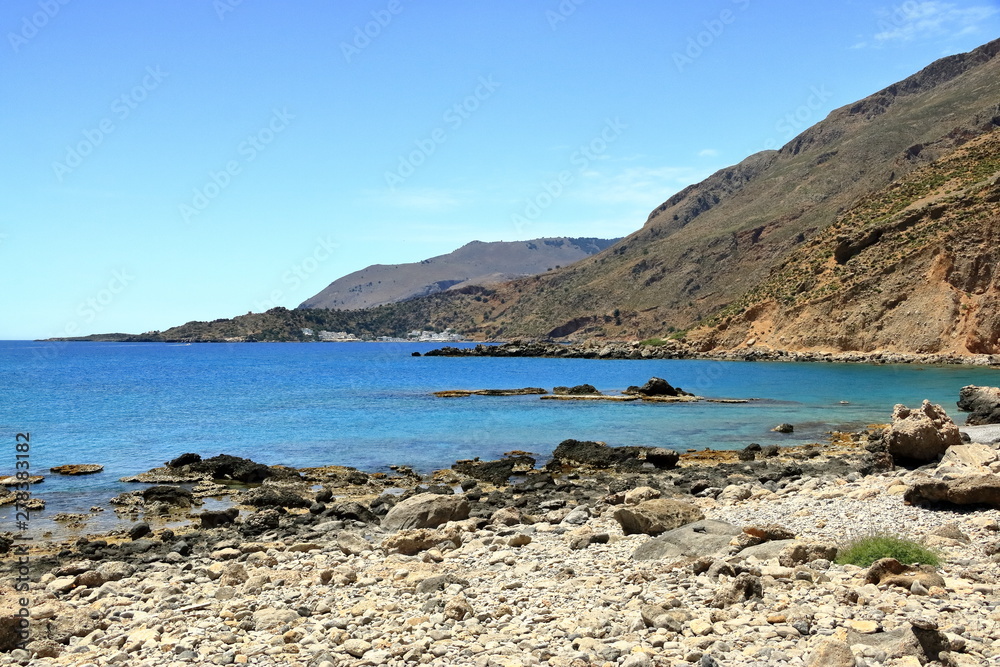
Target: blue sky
171 161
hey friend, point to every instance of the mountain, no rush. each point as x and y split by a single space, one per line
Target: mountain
711 243
914 267
475 263
876 228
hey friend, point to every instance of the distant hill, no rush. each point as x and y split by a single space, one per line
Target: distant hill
476 263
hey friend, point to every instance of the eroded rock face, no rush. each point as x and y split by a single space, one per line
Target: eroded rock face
920 435
426 510
653 517
982 404
967 490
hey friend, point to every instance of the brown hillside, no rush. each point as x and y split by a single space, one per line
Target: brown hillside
912 268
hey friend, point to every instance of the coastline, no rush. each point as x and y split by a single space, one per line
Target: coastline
538 572
678 350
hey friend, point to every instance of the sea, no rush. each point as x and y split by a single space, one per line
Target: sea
133 406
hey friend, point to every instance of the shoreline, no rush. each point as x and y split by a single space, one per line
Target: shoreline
538 573
677 350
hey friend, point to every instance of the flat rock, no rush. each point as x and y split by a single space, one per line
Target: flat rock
426 510
652 517
967 490
77 469
701 538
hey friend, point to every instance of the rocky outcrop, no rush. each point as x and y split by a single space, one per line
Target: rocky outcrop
921 435
965 490
982 404
701 538
426 510
463 393
657 387
77 469
495 472
577 390
652 517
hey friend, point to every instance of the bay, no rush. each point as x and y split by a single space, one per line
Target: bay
132 406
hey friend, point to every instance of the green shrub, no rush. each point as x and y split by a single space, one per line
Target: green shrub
655 342
867 550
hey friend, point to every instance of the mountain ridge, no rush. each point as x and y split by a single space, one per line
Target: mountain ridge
475 263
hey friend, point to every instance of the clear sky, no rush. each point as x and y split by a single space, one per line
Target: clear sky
171 161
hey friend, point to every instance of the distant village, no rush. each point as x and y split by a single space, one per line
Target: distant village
415 336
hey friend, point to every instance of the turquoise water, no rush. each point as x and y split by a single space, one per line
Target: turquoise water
133 406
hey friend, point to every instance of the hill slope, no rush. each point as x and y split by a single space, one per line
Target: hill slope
914 268
475 263
709 244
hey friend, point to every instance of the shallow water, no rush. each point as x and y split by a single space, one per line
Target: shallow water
133 406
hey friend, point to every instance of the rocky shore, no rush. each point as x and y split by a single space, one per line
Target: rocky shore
675 349
612 556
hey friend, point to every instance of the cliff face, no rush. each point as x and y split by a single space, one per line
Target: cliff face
914 267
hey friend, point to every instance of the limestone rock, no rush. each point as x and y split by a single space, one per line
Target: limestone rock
744 587
970 456
701 538
412 541
982 404
653 517
426 510
891 572
967 490
921 434
77 469
831 653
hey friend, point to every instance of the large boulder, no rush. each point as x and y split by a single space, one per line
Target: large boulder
653 517
967 490
657 387
594 454
171 495
426 510
701 538
982 404
920 435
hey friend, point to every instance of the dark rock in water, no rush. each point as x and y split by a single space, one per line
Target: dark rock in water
269 496
414 354
140 529
983 404
657 387
594 454
216 519
578 390
171 495
494 472
260 522
235 468
783 428
350 510
184 460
